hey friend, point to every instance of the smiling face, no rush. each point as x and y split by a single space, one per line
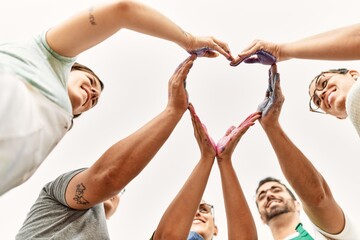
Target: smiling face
203 222
329 92
84 90
273 200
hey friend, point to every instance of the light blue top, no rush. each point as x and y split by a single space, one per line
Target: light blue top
35 62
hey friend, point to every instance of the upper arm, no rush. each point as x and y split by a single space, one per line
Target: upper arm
327 215
88 189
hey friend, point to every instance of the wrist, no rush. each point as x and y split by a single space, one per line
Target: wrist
284 51
208 158
187 41
224 162
270 126
173 112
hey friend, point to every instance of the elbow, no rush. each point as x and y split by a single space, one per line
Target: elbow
125 6
322 197
110 179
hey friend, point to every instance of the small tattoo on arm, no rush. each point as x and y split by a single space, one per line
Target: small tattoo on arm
91 16
185 33
79 195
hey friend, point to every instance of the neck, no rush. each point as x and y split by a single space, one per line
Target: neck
284 225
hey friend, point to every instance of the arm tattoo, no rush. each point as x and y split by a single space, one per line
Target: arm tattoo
79 195
91 16
184 32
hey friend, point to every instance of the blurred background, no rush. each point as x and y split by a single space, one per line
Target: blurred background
136 68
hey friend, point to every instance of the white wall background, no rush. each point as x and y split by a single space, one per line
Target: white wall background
136 69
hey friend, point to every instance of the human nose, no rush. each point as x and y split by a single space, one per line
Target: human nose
197 212
269 195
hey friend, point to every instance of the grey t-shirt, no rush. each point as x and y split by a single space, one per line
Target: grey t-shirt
51 218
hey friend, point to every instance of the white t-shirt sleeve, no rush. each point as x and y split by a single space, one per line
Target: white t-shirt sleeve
353 105
350 232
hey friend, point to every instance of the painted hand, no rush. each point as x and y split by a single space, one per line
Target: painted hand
260 56
270 96
228 142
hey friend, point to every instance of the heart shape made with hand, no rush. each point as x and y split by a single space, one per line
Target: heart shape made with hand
233 134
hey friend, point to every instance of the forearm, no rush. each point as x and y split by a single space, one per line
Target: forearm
308 183
182 209
296 167
128 157
240 222
337 44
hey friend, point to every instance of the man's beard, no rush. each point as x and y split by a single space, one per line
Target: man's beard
279 210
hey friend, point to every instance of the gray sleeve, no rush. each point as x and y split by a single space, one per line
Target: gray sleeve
57 188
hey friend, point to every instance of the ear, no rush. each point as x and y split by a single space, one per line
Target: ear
216 230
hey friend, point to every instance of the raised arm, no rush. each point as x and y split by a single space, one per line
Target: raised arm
94 25
178 217
127 158
338 44
240 222
308 183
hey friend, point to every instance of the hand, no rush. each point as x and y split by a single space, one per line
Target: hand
178 96
274 99
259 52
206 143
228 142
208 47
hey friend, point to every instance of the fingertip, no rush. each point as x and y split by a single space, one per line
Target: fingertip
193 56
274 68
191 108
230 58
235 62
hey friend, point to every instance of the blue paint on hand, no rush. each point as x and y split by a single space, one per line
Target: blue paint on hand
262 57
201 51
270 98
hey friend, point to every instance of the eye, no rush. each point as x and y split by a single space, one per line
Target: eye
316 100
202 210
276 190
261 196
323 84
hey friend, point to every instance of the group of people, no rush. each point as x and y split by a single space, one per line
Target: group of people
44 89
